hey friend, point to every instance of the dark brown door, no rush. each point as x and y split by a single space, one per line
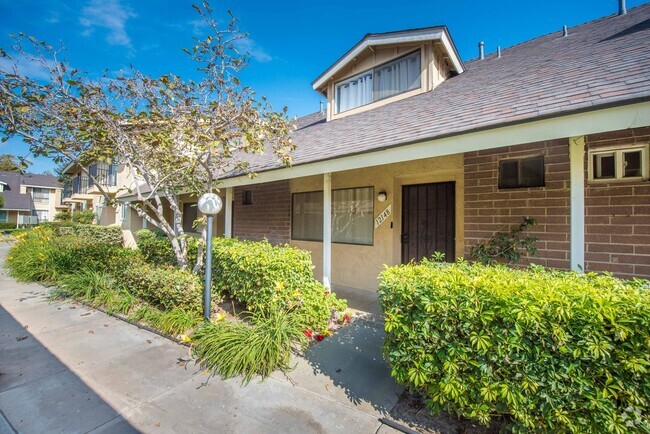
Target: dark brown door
428 221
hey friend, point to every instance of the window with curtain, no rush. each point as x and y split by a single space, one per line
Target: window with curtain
392 78
352 216
307 216
41 196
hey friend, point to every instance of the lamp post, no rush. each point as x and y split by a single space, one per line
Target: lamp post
210 205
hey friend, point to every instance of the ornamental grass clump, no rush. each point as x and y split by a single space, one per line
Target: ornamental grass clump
254 348
556 351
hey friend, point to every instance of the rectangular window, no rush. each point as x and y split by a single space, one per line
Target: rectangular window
124 210
618 163
521 173
307 216
352 216
40 215
41 196
392 78
3 215
190 214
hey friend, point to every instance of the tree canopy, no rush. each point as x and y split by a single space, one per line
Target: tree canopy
174 135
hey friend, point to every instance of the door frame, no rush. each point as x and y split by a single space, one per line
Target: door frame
455 219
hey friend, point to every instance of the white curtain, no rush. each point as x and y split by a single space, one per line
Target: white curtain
354 92
352 215
397 77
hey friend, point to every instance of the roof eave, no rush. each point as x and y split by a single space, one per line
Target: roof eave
372 40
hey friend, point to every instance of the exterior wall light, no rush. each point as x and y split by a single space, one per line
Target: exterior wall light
209 204
382 196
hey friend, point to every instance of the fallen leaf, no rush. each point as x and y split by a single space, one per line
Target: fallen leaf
148 341
26 326
85 314
91 332
21 338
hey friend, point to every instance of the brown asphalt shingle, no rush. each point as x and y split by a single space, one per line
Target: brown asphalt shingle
602 62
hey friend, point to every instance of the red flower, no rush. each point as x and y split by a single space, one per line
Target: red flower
308 333
319 337
346 318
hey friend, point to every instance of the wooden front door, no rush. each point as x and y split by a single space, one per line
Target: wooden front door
428 221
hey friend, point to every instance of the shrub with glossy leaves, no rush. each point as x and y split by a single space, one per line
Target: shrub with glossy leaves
157 249
259 274
111 235
557 351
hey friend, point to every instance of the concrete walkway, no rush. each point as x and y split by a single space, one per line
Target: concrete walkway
66 368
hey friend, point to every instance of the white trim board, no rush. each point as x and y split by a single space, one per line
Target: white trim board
592 122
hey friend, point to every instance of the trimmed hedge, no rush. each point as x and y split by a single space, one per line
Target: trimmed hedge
164 286
92 233
259 274
556 351
7 225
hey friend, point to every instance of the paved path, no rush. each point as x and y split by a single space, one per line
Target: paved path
66 368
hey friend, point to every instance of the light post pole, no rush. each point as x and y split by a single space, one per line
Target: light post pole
210 205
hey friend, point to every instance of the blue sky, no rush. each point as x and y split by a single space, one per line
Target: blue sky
290 42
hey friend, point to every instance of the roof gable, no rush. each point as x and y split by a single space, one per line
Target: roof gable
370 40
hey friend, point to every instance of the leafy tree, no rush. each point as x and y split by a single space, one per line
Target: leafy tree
175 135
10 163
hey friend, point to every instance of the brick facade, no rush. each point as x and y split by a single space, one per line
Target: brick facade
268 216
617 214
489 209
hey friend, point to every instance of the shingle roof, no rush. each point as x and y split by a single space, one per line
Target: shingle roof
12 180
600 63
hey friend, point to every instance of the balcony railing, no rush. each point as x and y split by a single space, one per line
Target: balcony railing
80 185
104 176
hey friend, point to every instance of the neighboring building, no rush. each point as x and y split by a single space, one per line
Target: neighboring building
82 192
418 152
29 199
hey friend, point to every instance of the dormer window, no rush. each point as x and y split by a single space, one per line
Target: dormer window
383 81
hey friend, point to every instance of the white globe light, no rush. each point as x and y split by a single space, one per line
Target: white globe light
210 204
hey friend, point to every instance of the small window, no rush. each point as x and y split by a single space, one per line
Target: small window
124 209
189 216
3 215
618 163
352 216
383 81
521 173
247 197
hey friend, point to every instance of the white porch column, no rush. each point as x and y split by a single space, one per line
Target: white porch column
577 177
327 231
228 216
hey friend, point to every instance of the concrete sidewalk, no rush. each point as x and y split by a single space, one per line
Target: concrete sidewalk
66 368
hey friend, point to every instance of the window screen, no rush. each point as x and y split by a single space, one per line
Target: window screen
307 216
521 173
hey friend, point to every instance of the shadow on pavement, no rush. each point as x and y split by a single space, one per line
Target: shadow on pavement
38 393
352 359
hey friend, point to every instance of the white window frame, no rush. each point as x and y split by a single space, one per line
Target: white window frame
619 169
371 71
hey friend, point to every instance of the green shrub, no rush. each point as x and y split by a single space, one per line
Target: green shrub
100 234
7 225
259 274
64 216
92 233
157 249
164 286
259 348
83 217
39 255
557 351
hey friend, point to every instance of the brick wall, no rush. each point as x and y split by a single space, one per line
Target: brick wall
269 215
617 227
488 209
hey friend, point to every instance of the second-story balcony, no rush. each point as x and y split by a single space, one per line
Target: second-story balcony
80 185
103 175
